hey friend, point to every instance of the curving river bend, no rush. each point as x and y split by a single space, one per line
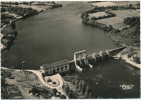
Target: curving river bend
55 35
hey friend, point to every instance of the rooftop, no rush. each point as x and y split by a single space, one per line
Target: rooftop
54 64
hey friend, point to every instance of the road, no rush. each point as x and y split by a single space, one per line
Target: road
38 73
59 87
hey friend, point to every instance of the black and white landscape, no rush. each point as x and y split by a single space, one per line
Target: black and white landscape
70 49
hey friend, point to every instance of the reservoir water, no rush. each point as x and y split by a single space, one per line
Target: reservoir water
55 35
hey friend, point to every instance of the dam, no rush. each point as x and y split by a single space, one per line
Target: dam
81 61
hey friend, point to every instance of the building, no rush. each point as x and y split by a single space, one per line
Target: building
55 67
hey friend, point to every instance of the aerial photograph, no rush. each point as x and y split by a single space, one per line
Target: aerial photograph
70 49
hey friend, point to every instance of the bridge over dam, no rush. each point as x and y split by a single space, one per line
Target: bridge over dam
81 60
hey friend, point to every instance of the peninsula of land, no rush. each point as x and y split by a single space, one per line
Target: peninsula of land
122 20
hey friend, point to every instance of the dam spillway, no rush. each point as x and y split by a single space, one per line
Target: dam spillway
82 60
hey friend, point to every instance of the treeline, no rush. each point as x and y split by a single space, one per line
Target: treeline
101 9
46 93
80 90
85 15
9 33
6 18
19 11
11 3
56 5
5 74
132 21
129 35
22 11
109 14
3 9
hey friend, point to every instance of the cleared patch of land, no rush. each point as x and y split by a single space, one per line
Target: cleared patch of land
126 13
117 22
125 3
98 14
105 4
38 8
25 83
115 3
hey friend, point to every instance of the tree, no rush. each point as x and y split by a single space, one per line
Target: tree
138 5
54 92
130 6
136 59
80 85
83 87
70 94
87 91
90 95
110 27
13 25
3 81
3 9
23 64
53 2
34 91
62 97
67 89
132 21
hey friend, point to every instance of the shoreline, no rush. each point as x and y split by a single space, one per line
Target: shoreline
103 26
37 8
113 32
128 60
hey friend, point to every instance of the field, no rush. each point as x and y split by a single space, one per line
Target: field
105 4
114 3
98 14
127 13
125 3
38 8
24 86
117 22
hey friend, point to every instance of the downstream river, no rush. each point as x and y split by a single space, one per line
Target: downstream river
54 35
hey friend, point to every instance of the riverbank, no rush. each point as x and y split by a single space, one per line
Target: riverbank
10 14
121 29
131 55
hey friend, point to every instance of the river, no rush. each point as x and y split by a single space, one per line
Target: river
54 35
